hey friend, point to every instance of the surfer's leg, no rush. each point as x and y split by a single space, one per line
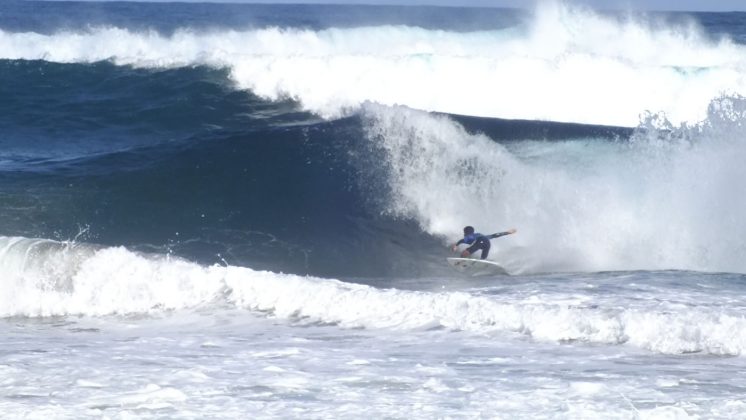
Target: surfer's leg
485 248
472 249
482 244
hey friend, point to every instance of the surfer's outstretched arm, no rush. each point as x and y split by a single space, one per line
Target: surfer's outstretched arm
507 232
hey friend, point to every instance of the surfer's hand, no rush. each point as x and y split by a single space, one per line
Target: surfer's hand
454 248
512 231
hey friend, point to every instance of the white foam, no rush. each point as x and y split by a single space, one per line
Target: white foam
151 397
45 278
567 64
667 412
116 281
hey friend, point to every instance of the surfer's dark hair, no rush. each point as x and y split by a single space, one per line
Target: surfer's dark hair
468 230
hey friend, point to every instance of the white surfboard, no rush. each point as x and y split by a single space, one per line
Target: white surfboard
475 267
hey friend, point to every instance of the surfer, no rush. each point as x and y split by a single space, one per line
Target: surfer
477 241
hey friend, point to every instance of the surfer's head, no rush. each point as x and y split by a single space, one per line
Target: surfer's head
468 230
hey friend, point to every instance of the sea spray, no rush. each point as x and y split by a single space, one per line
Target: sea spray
665 199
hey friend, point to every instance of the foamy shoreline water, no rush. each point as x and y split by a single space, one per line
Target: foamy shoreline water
226 363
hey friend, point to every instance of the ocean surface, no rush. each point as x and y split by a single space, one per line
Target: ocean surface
243 211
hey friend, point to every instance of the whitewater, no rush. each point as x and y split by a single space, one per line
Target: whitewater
132 335
565 64
224 211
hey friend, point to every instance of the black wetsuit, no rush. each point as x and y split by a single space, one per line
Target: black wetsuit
479 241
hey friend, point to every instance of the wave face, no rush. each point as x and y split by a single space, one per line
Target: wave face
218 144
559 63
178 161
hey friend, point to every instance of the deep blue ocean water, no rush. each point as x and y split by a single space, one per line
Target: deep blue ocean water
225 210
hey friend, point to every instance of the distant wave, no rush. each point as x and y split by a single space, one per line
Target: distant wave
568 65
